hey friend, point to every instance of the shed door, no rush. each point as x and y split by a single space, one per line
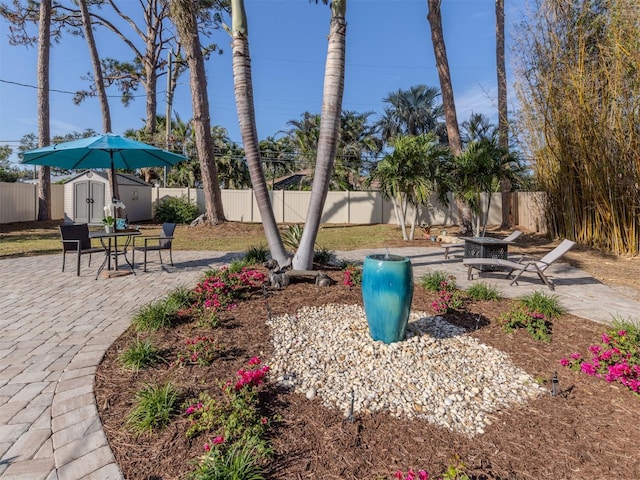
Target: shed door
89 202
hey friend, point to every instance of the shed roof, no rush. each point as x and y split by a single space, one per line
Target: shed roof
123 178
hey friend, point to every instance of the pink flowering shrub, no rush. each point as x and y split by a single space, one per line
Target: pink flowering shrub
448 297
251 378
233 422
456 471
202 414
221 289
352 275
411 475
616 359
535 322
200 351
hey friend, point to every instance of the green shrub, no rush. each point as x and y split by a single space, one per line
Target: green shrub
8 176
536 324
200 351
256 254
176 210
140 354
154 407
482 291
203 414
533 312
432 281
324 256
237 265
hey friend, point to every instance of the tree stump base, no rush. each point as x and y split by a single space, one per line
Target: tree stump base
279 278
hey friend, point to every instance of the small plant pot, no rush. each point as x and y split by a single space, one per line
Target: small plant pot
108 228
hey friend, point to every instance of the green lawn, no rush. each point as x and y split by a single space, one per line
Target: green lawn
39 238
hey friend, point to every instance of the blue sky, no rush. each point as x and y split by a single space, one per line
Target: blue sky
388 47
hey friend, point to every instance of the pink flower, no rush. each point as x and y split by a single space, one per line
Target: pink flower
588 368
606 355
605 338
254 361
218 440
564 362
575 356
263 420
422 475
622 333
398 475
594 349
207 447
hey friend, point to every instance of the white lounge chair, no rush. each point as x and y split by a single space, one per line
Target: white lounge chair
537 266
509 238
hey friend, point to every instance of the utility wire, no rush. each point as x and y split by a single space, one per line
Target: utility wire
66 91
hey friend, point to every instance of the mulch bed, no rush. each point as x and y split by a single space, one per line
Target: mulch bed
589 430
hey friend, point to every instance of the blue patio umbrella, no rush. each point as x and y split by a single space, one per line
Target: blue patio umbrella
102 151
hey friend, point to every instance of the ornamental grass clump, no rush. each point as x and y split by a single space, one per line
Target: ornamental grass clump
483 291
256 254
616 359
140 354
432 281
154 407
323 256
154 316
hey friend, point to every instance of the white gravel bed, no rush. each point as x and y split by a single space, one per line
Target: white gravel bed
438 373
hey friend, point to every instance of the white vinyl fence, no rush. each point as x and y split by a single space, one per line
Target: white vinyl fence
19 203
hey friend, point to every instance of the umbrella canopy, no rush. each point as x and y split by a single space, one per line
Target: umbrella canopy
102 151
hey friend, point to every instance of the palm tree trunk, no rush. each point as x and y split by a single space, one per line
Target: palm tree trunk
246 117
44 133
503 122
100 88
184 16
453 131
329 127
485 218
442 64
403 215
414 220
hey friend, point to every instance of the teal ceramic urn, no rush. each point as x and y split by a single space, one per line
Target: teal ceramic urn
387 292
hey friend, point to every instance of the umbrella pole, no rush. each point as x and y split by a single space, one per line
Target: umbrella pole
114 189
114 179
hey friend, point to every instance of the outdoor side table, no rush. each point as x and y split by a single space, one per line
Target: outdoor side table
485 247
109 242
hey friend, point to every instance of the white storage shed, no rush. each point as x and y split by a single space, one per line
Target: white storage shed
86 194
